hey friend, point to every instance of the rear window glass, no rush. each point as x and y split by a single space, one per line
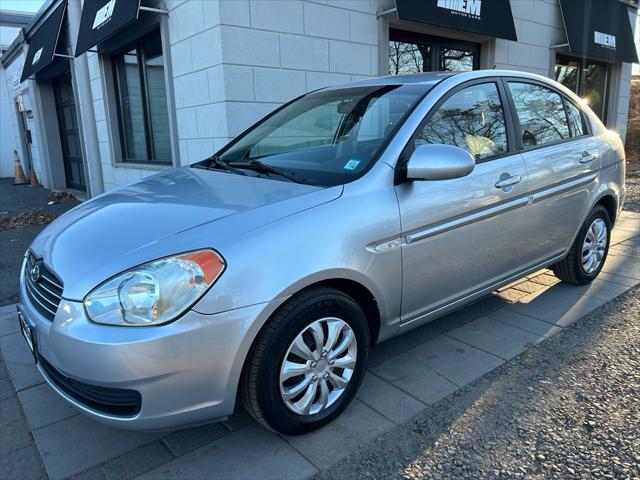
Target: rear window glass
576 120
541 113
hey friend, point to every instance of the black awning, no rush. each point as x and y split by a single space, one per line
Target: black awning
599 28
102 18
42 44
492 18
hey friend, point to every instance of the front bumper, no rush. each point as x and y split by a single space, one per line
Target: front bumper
186 372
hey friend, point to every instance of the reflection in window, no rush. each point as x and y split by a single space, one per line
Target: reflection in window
315 127
415 53
575 119
453 60
328 137
409 58
566 73
541 114
594 85
587 79
364 122
142 101
472 119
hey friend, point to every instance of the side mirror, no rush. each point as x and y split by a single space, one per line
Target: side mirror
439 162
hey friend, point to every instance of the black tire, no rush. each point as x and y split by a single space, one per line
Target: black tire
260 387
570 270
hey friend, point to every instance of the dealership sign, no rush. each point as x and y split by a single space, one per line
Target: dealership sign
467 8
101 19
492 18
36 56
43 41
599 29
607 41
104 14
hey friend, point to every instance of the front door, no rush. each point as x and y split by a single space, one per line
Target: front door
461 235
69 134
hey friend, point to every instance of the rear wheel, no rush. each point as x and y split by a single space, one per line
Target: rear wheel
589 251
308 362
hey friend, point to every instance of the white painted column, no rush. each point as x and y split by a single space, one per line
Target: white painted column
85 111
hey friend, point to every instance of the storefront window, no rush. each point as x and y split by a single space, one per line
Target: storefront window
455 60
587 79
567 73
414 53
409 58
142 102
595 77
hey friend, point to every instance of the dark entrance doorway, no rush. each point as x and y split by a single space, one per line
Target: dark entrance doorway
25 135
588 79
69 134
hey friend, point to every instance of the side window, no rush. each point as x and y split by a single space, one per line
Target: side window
541 114
576 120
472 119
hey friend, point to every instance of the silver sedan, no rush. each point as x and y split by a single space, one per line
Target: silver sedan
265 273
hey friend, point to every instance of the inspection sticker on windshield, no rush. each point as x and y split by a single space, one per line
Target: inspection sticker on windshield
351 165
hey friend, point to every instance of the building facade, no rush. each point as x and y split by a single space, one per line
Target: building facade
11 25
126 92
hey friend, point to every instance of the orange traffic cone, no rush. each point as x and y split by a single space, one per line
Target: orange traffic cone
20 179
33 179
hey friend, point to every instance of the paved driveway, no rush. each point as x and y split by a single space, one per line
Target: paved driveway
406 375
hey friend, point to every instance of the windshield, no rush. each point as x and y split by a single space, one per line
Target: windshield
325 138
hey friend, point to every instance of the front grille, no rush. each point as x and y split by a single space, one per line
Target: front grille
111 401
44 289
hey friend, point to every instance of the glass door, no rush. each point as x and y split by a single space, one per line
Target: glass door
587 78
25 136
69 133
411 52
595 85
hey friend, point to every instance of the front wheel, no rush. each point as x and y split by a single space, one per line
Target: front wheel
308 362
589 251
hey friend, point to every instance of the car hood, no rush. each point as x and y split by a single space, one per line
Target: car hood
171 212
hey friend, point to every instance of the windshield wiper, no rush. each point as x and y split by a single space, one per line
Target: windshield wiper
215 161
258 166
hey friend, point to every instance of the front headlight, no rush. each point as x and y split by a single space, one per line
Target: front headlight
155 292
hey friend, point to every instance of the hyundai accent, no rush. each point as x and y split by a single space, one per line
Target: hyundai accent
264 274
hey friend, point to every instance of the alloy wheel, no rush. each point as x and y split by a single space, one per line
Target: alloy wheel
594 246
318 366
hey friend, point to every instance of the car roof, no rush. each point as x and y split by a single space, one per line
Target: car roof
431 78
424 78
409 79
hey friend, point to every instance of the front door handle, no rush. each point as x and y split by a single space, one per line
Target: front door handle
587 157
509 181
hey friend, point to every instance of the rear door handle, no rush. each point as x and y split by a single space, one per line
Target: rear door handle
587 157
509 181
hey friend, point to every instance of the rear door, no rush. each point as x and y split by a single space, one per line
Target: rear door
463 234
562 160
